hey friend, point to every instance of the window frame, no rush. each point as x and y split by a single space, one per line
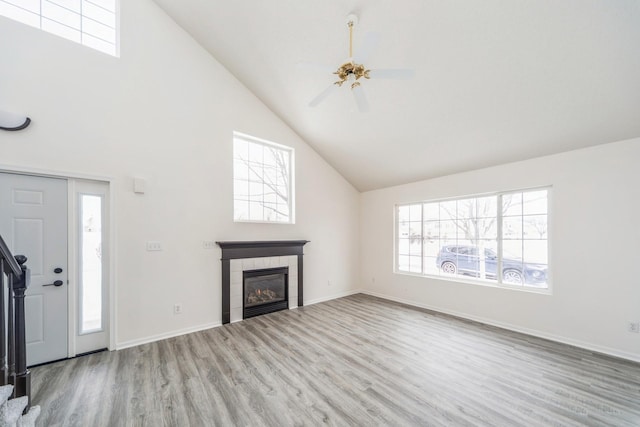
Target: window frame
43 17
497 283
290 176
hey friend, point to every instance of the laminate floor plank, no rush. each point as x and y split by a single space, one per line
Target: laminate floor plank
353 361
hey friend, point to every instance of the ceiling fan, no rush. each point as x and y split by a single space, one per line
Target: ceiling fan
352 71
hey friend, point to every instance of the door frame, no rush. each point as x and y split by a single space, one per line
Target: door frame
72 247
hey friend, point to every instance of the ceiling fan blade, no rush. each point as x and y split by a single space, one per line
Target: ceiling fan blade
323 95
392 73
370 43
315 67
361 99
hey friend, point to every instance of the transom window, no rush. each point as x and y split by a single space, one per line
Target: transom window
88 22
262 180
501 239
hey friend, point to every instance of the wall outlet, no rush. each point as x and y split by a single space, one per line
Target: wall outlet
634 327
154 246
328 282
177 309
208 244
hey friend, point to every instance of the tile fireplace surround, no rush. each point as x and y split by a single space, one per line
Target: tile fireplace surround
239 256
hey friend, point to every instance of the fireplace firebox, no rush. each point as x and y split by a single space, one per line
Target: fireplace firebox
265 291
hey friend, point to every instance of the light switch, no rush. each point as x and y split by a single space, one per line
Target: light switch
139 185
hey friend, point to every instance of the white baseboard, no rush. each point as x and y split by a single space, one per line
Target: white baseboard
333 296
552 337
153 338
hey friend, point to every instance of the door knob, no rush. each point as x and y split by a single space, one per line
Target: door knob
56 283
57 270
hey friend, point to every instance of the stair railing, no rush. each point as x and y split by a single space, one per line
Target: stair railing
15 277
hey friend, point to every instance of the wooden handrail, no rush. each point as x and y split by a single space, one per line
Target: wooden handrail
8 259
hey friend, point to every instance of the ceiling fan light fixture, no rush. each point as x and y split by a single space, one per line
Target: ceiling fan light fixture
351 70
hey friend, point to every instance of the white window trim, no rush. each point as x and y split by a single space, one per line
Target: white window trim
292 189
472 281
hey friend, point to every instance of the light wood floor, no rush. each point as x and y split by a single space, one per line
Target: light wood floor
358 360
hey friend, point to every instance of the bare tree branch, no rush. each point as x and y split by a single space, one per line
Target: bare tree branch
270 181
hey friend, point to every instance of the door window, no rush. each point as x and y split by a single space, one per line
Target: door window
90 264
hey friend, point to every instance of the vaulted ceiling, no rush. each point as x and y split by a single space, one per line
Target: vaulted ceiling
495 80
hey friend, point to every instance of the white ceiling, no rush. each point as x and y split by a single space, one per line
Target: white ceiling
496 80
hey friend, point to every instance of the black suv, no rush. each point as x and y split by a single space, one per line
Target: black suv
458 259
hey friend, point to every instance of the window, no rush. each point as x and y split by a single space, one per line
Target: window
500 239
90 283
262 180
88 22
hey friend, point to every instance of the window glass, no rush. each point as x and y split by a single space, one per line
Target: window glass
91 264
459 238
263 181
92 23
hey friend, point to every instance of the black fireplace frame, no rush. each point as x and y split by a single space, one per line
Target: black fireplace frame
256 249
268 307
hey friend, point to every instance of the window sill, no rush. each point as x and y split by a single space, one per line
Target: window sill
246 221
543 291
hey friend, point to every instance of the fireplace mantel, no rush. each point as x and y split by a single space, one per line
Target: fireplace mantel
256 249
261 248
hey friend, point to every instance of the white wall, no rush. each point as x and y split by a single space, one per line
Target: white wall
595 241
165 110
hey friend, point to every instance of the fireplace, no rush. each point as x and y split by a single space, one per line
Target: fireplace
265 291
241 256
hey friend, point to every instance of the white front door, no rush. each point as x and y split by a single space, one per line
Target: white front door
33 222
